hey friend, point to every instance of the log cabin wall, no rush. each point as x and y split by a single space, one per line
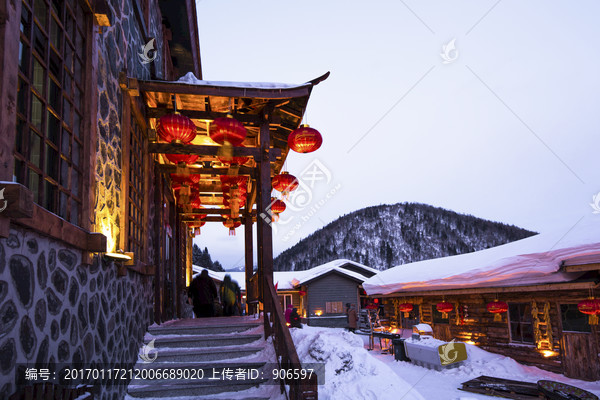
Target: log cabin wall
552 349
60 303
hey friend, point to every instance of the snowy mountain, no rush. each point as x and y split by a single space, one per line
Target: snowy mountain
389 235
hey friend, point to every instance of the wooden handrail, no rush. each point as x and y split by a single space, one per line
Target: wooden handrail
287 357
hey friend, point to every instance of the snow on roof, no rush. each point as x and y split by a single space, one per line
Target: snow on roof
533 260
191 79
288 280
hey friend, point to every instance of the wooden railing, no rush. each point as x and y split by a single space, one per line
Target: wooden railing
252 294
287 357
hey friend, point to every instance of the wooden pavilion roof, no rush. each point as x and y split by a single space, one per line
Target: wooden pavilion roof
204 101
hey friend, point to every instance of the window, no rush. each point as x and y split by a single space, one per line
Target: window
285 300
438 317
410 319
50 103
136 206
573 320
521 326
334 307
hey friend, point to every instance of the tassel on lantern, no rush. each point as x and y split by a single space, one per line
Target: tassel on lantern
232 231
226 151
196 231
406 315
593 319
497 317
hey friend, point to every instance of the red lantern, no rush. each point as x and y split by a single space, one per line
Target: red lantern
182 158
301 292
176 128
195 202
305 139
231 224
497 308
376 301
234 160
227 131
197 225
277 206
185 179
444 307
405 307
590 307
285 183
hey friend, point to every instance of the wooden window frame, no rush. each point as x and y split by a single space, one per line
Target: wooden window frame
285 296
59 174
562 321
440 321
133 117
520 322
334 307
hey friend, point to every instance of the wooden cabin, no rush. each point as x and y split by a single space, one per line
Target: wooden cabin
541 279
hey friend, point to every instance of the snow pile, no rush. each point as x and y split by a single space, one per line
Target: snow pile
191 79
533 260
350 370
444 384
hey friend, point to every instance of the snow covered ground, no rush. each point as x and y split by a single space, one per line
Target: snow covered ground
443 385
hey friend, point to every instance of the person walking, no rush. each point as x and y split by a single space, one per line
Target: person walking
288 312
295 319
229 292
352 317
203 292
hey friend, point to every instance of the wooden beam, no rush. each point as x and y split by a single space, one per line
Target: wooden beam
169 168
582 268
205 115
509 289
225 91
248 246
15 200
173 148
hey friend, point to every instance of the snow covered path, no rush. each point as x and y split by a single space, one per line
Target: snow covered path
443 385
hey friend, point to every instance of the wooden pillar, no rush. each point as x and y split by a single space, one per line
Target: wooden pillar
158 271
249 251
263 225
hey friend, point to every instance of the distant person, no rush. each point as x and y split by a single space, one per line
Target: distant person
230 295
288 312
203 292
352 317
295 319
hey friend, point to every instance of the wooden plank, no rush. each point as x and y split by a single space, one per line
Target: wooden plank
168 168
16 200
173 148
498 290
582 268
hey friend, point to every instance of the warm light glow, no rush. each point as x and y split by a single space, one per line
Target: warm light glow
470 342
549 353
106 230
118 256
394 330
318 313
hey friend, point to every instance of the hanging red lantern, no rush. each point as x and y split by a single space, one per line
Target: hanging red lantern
182 158
227 131
301 292
195 202
444 307
497 308
305 139
230 160
590 307
285 183
277 206
232 225
197 225
185 179
405 307
176 128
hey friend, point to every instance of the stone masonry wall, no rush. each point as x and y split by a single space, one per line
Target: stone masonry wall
53 309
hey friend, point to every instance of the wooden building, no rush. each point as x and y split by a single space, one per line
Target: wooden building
320 294
95 237
541 279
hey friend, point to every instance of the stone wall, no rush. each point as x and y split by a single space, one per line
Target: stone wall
53 309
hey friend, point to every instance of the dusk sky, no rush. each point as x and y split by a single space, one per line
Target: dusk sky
505 127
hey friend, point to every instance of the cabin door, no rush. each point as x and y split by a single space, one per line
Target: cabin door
580 356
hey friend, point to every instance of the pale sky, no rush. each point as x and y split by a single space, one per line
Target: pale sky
508 129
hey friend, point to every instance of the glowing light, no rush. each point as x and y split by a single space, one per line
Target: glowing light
106 230
549 353
470 342
318 313
394 330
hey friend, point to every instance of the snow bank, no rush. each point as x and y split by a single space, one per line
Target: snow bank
533 260
444 384
191 79
350 370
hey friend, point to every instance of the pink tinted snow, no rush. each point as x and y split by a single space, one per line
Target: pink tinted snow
533 260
